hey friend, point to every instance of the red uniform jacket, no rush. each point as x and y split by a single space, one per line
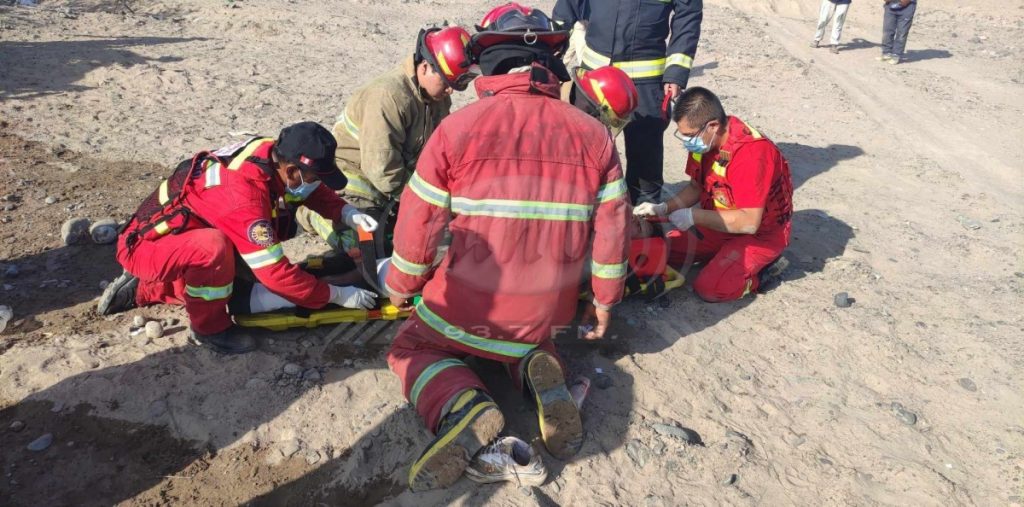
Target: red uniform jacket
533 190
246 201
748 171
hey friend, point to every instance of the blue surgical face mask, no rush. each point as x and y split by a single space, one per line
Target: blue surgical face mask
695 143
304 190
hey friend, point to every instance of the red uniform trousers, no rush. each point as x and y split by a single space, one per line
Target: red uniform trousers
432 372
194 268
731 261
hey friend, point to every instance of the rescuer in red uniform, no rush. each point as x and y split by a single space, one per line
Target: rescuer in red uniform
740 198
180 245
530 188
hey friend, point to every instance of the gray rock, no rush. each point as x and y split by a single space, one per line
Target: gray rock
10 206
11 271
843 300
603 381
658 448
638 452
104 284
312 375
50 200
17 426
685 434
157 408
104 231
289 447
41 443
292 369
138 321
909 418
74 231
6 314
154 330
968 384
730 480
969 223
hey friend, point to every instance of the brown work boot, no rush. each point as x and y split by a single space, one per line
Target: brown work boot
560 425
473 422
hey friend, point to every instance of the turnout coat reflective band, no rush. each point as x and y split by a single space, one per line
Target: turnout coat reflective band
631 34
532 192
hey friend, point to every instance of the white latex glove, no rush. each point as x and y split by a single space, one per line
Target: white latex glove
355 218
682 218
353 297
650 209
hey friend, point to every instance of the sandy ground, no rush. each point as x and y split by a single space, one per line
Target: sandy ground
910 197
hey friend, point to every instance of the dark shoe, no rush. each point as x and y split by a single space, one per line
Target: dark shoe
233 340
119 296
473 422
771 276
560 425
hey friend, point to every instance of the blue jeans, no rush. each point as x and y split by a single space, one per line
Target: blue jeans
895 28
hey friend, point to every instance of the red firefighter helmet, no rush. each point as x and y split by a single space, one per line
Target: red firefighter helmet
446 49
610 93
517 23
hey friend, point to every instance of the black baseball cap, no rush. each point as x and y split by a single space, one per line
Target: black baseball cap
311 147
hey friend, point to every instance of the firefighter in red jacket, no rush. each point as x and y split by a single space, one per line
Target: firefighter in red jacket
740 199
180 245
530 188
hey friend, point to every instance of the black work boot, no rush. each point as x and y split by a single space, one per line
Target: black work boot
771 276
119 296
233 340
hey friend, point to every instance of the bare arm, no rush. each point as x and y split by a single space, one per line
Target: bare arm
686 197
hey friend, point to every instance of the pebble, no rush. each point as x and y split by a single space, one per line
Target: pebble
312 375
312 457
154 330
6 314
603 381
969 223
41 443
50 200
138 321
289 447
292 369
638 452
968 384
730 480
843 300
104 231
909 418
74 231
104 284
157 408
686 434
11 271
10 206
17 426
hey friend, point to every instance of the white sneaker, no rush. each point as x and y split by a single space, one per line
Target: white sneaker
507 459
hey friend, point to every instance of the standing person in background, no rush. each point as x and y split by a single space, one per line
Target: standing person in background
631 35
899 15
827 7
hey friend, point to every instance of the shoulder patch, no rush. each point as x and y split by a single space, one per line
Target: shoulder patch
261 233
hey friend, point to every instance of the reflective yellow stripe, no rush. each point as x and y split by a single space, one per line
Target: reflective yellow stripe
324 228
499 347
611 191
162 227
443 63
697 157
164 198
350 126
247 152
635 69
408 267
209 293
753 132
608 271
680 59
529 210
265 257
361 186
718 169
213 175
429 192
428 374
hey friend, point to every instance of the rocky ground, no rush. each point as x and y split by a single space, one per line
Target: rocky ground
909 198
